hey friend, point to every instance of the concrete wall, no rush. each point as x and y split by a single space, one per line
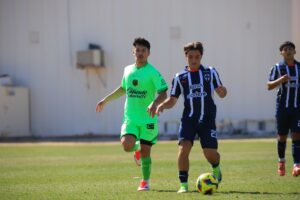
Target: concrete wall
39 40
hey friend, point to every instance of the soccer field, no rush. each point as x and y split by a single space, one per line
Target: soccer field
104 171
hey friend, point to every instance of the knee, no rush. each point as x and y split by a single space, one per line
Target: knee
185 148
282 138
127 145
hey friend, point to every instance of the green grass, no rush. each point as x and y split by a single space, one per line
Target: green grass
104 171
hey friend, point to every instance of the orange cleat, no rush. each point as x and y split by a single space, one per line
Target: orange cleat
296 170
281 168
144 186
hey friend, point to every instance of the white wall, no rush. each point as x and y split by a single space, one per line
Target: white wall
39 40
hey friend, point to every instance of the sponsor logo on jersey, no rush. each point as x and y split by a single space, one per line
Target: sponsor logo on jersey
133 93
195 86
292 85
197 95
293 78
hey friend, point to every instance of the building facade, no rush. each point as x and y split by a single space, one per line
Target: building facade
39 41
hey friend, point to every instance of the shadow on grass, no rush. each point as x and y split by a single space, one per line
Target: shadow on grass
172 191
258 193
236 192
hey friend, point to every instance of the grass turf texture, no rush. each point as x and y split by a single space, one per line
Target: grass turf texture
104 171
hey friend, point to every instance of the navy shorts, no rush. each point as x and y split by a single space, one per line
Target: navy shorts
288 119
205 129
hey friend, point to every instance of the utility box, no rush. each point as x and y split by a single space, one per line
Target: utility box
14 111
90 58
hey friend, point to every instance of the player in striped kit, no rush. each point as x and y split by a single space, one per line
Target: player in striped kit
285 76
197 84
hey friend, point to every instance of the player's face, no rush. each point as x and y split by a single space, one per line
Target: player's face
288 53
193 58
141 54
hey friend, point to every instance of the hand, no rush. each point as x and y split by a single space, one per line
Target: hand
221 91
159 109
284 78
100 105
151 109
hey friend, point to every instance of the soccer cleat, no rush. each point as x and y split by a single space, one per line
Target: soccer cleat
183 188
296 170
144 186
217 174
137 157
281 168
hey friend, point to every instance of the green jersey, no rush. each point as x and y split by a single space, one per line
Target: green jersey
141 85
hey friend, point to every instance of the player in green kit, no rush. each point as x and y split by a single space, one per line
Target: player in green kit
140 82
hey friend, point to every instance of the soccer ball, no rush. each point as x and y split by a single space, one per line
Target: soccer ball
207 183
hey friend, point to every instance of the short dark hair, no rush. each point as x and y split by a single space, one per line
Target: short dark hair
141 41
287 44
193 46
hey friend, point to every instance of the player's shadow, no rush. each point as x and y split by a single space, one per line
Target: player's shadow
257 193
237 192
171 191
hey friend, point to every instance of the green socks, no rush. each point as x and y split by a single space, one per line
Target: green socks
217 173
146 167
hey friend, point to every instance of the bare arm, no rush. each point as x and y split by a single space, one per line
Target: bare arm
160 98
112 96
221 91
273 84
167 104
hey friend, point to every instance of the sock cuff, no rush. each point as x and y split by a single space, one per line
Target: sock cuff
183 173
215 165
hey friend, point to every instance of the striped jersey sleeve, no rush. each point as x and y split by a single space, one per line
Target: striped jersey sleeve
274 74
176 89
215 78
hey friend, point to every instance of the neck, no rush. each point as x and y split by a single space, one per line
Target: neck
191 69
290 62
140 64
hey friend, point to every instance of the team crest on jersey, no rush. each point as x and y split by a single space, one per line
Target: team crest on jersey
207 77
135 82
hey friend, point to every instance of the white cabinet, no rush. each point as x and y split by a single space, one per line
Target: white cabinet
14 111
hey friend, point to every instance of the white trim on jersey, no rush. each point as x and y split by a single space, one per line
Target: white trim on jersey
202 96
175 85
212 89
181 87
217 77
177 81
296 86
279 75
191 91
272 76
288 88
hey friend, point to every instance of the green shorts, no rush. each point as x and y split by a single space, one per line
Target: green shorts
148 132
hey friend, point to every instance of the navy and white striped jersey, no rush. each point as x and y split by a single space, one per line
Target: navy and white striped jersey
198 91
288 92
